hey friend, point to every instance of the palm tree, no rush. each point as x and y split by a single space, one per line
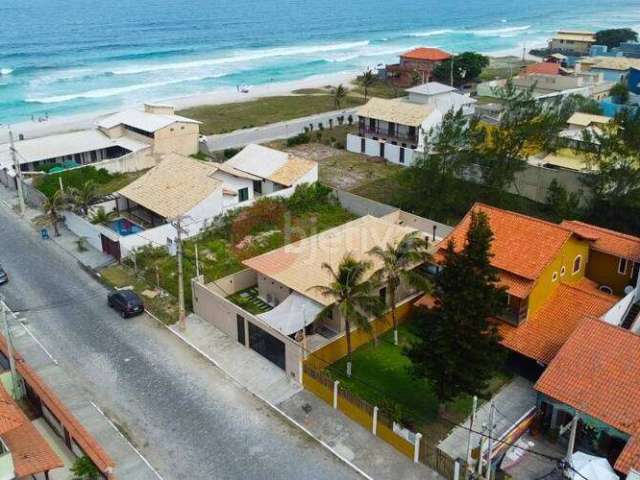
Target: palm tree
367 80
51 208
83 197
339 93
101 216
353 296
397 267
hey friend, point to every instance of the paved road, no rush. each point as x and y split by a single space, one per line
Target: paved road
188 419
273 131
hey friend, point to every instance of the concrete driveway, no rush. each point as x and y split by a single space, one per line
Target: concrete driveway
185 416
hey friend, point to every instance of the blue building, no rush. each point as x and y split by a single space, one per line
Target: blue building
634 80
630 49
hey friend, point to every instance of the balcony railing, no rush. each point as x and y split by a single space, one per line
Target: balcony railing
385 133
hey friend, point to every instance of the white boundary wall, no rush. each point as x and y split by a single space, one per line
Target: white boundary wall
372 149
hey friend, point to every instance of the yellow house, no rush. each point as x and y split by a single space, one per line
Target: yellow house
544 267
614 257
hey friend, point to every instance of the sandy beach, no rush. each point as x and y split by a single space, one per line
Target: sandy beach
70 123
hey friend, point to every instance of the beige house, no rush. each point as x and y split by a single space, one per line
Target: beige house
280 284
566 41
158 126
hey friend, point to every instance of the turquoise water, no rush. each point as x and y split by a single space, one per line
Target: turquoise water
125 227
60 57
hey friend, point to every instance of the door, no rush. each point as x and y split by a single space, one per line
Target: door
240 327
110 247
401 155
267 345
382 149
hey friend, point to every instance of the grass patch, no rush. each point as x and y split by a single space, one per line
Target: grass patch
118 276
350 171
381 376
380 89
310 91
503 67
233 116
76 178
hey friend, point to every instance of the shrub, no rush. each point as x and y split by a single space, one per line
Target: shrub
84 469
299 139
350 119
230 152
76 178
265 214
319 136
308 197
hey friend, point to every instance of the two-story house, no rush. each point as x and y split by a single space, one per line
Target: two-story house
418 63
544 267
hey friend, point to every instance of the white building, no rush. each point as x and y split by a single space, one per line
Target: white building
443 97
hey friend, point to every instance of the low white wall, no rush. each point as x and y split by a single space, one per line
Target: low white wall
616 315
372 149
86 229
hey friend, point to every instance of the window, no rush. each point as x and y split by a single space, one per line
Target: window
554 277
257 186
577 264
622 266
563 270
243 194
402 155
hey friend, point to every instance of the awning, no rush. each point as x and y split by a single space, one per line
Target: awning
591 467
295 313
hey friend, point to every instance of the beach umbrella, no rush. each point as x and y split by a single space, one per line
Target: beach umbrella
590 467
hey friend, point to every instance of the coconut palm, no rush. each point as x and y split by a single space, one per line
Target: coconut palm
101 216
367 80
353 296
398 261
339 94
83 197
51 208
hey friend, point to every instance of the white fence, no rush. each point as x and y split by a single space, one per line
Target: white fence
372 148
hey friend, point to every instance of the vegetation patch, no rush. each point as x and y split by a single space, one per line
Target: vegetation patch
76 178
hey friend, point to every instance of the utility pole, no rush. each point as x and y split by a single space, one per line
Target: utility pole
16 167
481 452
181 309
471 421
197 262
490 450
452 56
17 391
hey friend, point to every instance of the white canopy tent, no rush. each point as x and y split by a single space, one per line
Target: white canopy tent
591 467
295 313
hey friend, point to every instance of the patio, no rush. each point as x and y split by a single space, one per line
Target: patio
249 300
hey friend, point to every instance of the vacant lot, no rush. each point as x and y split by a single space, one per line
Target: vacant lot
263 111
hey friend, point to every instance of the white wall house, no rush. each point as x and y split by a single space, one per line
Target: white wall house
443 97
393 129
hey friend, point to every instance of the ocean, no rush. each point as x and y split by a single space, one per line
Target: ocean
62 57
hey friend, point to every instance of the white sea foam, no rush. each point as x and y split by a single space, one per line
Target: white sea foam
480 32
240 57
110 92
6 71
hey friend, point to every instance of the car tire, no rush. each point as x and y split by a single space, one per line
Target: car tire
123 314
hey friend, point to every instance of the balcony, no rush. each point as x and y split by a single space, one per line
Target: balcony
387 135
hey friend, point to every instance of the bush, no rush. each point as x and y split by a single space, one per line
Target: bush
308 197
84 469
230 152
265 214
299 139
76 178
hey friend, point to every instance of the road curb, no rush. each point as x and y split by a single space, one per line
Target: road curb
262 399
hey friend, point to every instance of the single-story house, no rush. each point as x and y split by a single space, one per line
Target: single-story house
596 377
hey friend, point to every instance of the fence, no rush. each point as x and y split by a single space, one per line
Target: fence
377 422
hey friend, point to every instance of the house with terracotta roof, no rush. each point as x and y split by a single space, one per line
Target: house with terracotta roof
595 378
418 63
545 268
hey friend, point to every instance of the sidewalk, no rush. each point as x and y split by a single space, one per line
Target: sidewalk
91 258
342 436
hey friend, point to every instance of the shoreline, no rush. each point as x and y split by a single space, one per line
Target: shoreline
81 121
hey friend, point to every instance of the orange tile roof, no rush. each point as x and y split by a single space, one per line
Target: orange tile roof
546 68
83 438
30 452
523 246
425 53
607 241
545 331
597 372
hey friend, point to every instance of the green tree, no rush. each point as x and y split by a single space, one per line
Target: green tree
563 205
84 469
620 93
398 262
52 208
579 103
615 36
457 347
467 66
339 94
367 80
83 197
526 124
101 216
354 297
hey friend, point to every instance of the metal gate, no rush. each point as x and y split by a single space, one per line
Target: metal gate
267 345
110 247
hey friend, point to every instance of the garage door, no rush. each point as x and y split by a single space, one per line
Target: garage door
266 345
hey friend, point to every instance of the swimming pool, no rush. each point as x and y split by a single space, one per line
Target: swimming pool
125 227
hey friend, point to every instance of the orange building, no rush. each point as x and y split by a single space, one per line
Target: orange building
419 62
555 276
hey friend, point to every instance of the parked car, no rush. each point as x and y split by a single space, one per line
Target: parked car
126 302
4 278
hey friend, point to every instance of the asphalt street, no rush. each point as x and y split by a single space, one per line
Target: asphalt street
184 414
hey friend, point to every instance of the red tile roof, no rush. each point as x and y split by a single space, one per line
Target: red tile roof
30 452
522 247
546 68
542 335
82 437
432 54
597 372
607 241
